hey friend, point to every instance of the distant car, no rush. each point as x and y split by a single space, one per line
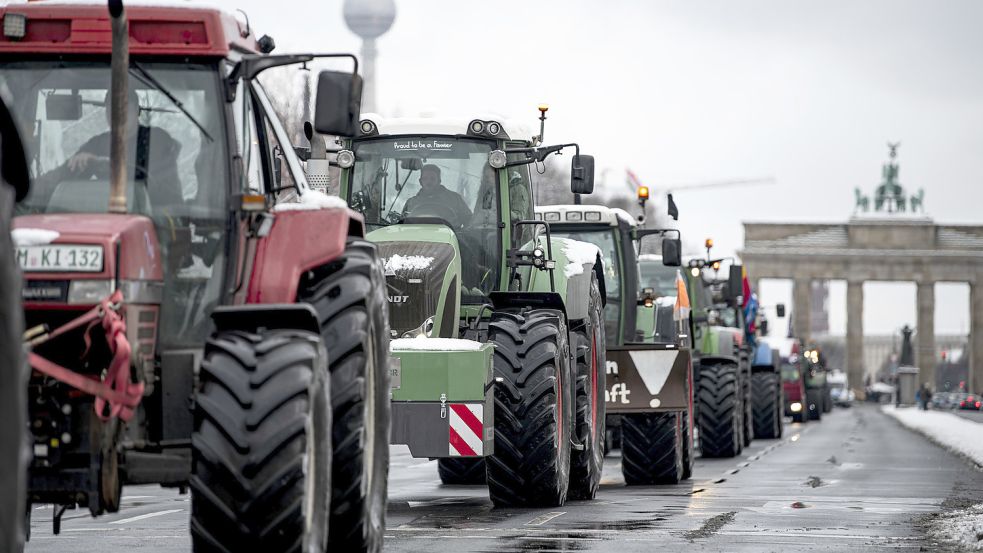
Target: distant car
971 403
942 400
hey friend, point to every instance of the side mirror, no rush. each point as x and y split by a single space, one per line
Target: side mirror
735 282
672 252
339 97
582 174
780 308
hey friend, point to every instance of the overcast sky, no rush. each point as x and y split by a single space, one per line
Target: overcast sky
695 91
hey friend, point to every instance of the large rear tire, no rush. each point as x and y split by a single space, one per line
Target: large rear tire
587 464
531 464
652 448
261 447
13 386
814 404
461 472
349 297
720 412
766 397
689 456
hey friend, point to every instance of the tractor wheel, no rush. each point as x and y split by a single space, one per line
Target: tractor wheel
689 457
349 297
767 405
531 464
652 448
720 413
586 465
800 416
461 471
13 387
748 403
261 447
814 404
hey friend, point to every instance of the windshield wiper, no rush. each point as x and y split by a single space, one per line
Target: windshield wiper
150 80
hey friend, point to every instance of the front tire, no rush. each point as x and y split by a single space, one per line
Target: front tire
766 397
652 448
349 297
720 412
587 464
461 471
261 447
531 464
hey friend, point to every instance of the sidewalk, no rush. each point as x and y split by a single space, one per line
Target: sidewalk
956 434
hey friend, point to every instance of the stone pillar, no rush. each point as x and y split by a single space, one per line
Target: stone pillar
976 337
925 338
802 308
855 334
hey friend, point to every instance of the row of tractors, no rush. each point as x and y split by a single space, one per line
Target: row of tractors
196 314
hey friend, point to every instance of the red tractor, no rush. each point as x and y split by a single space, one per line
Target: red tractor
196 314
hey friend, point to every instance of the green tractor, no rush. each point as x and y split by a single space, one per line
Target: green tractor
496 324
649 370
722 364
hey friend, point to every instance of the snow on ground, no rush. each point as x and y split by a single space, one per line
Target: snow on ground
398 263
23 237
312 200
434 344
958 435
963 528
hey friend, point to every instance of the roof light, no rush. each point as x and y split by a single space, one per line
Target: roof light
716 265
494 128
367 127
345 159
551 216
575 216
643 192
708 243
695 271
497 159
543 108
14 25
477 127
592 216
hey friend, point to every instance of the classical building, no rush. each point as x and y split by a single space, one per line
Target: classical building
893 240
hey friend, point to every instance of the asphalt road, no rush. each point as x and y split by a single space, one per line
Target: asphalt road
975 416
855 482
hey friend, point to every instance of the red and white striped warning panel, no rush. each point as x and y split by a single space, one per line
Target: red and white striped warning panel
466 429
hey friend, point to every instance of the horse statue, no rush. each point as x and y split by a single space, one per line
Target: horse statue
917 201
863 202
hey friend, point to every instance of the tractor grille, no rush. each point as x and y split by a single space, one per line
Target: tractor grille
415 272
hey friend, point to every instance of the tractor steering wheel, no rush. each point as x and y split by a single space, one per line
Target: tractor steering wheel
435 209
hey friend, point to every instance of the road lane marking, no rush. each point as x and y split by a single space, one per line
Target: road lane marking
146 516
543 519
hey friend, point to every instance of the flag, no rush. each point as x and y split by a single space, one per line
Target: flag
745 286
681 310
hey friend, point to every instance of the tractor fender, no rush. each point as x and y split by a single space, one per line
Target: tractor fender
252 317
578 290
298 241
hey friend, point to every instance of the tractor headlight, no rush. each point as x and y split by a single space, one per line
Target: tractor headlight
795 407
713 317
14 25
345 159
497 159
89 292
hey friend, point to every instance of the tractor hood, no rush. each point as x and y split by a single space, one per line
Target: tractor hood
423 277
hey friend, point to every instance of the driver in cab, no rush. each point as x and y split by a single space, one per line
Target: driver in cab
435 200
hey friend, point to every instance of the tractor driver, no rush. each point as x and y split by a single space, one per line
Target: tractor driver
152 153
436 200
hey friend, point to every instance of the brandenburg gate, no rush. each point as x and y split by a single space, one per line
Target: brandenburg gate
894 241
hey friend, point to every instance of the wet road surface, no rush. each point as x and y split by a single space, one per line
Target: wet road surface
857 481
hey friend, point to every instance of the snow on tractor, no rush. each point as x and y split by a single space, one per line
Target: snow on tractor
649 369
722 358
497 323
196 314
14 184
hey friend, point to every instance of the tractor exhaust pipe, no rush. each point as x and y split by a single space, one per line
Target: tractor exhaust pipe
118 98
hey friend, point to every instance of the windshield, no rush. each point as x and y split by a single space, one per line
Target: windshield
604 240
399 179
658 276
176 170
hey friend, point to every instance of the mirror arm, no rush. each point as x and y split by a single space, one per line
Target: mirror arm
538 153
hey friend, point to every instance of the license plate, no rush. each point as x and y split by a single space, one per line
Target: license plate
60 258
